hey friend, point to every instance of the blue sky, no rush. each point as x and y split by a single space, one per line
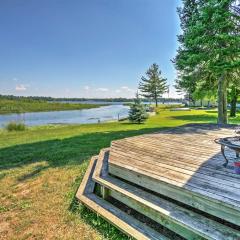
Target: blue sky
84 48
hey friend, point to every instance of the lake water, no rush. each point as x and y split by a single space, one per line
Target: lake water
93 115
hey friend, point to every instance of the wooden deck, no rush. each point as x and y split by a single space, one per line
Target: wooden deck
188 160
174 177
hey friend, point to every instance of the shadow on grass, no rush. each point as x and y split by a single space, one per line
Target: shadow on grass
32 174
62 152
197 118
212 111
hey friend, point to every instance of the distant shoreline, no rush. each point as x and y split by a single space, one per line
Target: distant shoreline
23 106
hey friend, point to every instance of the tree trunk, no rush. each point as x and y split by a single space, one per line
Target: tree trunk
156 100
222 100
233 107
234 96
208 104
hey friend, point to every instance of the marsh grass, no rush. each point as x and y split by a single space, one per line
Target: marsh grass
28 105
16 126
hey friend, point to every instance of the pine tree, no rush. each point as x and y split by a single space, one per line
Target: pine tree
186 79
153 85
137 112
210 47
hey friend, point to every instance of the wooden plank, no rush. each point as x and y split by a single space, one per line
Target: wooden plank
197 200
131 155
86 185
182 221
184 143
178 166
155 159
183 154
193 184
127 224
192 130
169 135
102 170
215 180
195 187
203 149
179 149
115 216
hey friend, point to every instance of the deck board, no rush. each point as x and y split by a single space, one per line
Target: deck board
194 187
225 180
185 157
188 164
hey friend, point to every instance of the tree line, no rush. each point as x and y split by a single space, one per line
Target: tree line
51 99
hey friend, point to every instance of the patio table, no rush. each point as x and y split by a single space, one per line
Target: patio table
230 142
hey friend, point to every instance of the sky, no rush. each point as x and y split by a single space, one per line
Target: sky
85 48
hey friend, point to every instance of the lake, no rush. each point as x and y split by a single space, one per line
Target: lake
93 115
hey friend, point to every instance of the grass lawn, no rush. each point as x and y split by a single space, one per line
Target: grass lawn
42 167
28 105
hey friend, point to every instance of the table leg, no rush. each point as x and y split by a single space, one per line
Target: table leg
223 153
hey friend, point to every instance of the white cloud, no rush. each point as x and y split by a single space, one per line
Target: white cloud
102 89
21 87
15 79
125 88
86 88
125 91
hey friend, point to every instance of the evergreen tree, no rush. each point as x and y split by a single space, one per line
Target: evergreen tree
186 79
210 46
153 85
137 112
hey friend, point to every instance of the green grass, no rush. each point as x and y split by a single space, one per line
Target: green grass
42 167
27 105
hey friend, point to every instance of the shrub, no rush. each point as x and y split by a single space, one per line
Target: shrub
16 126
137 113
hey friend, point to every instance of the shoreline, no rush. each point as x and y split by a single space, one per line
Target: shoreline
95 114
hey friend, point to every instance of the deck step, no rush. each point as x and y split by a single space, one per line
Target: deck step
127 224
195 200
184 222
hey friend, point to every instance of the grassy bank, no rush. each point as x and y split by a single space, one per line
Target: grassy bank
42 167
28 105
